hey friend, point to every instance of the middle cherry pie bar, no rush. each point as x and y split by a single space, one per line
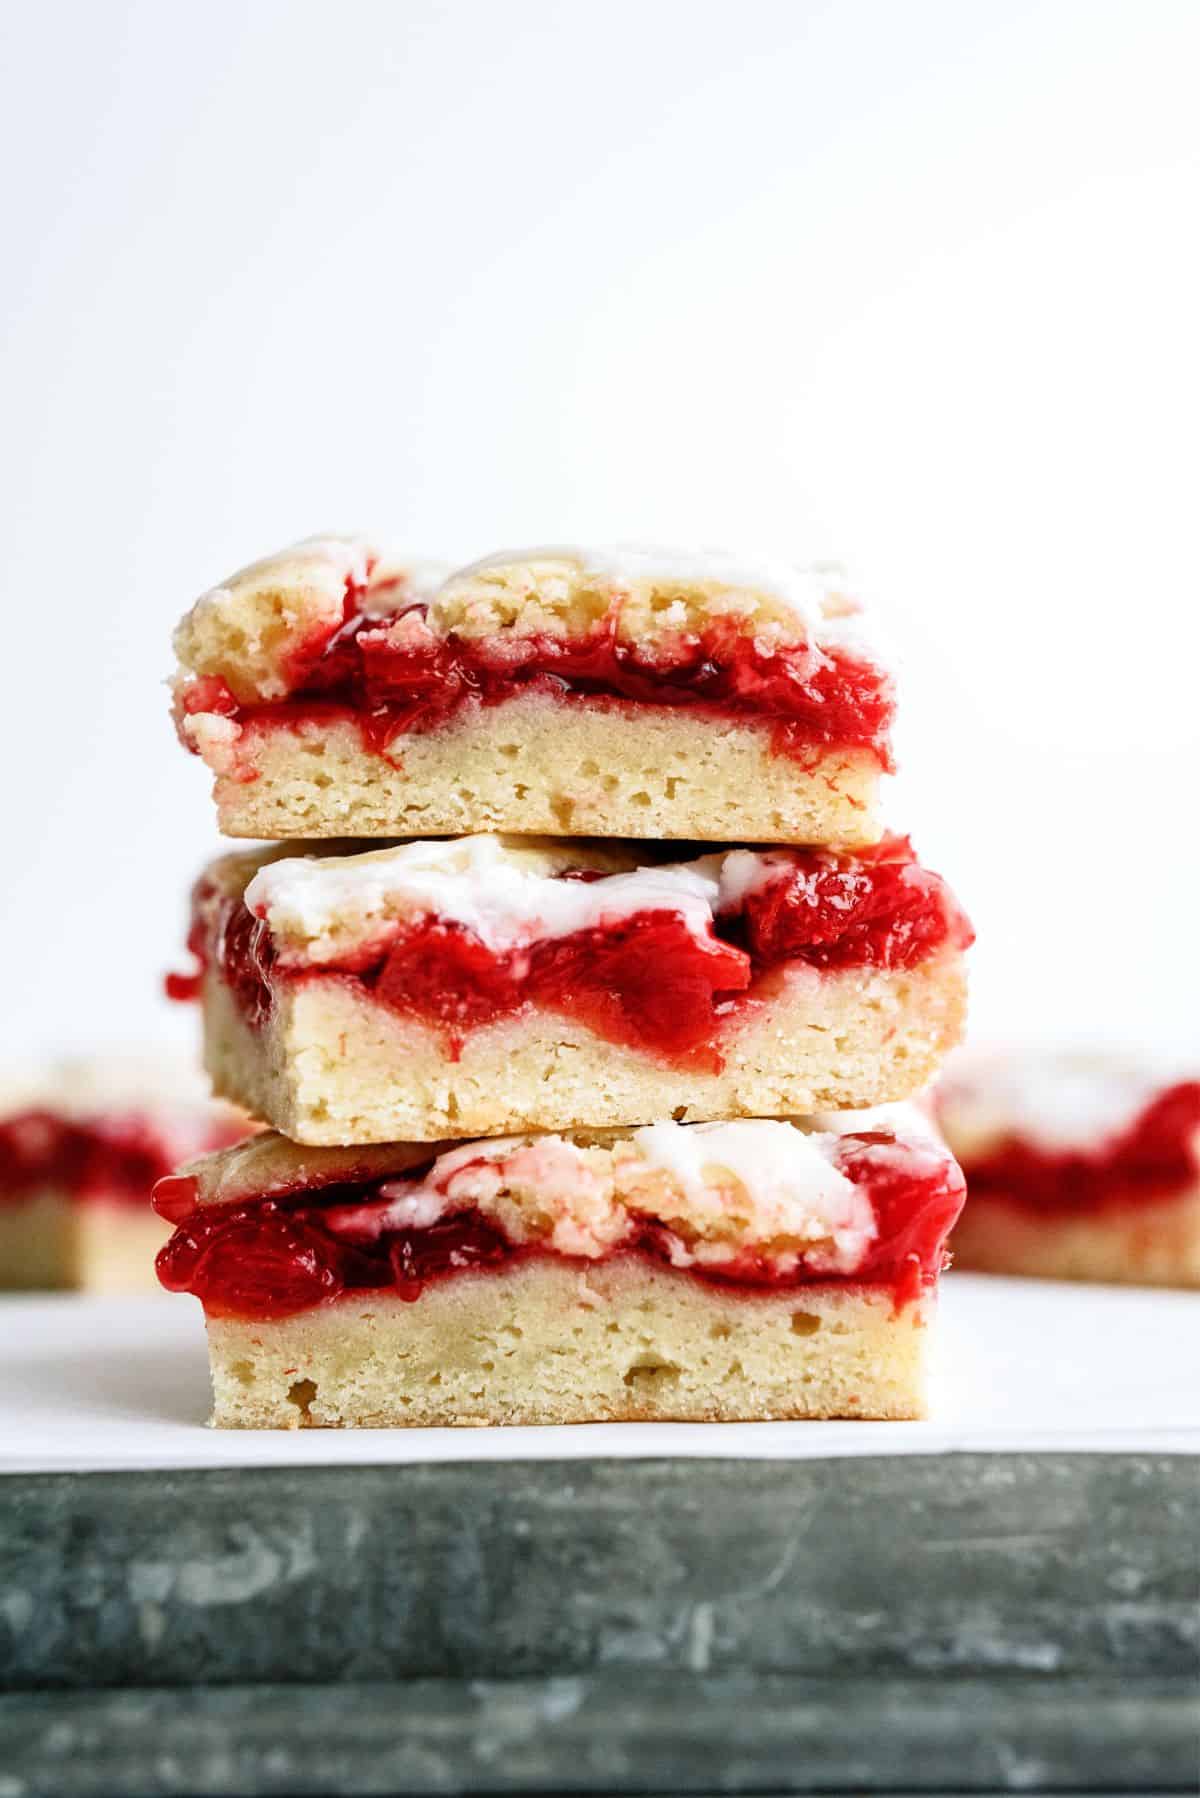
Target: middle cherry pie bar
749 1269
439 989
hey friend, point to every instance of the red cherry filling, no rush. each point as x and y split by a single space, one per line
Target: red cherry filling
453 1243
175 1197
119 1156
444 973
395 677
883 911
226 936
916 1206
245 958
269 1259
646 981
260 1262
275 1256
209 693
1155 1158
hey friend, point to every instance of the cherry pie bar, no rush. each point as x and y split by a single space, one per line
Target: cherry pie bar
1078 1167
337 692
81 1148
473 987
747 1269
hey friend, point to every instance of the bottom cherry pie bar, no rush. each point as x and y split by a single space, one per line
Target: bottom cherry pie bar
742 1270
80 1151
1078 1168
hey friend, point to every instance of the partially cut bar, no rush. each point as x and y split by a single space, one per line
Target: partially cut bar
1079 1167
81 1147
750 1269
482 986
337 692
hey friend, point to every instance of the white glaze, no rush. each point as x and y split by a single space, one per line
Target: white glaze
1055 1102
350 556
476 882
342 558
793 1202
801 589
918 1145
745 871
417 577
787 1173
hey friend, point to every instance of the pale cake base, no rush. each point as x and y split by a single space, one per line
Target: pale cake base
331 1067
1143 1245
53 1242
537 766
543 1342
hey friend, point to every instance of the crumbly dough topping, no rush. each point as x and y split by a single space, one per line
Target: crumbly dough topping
1057 1102
249 630
246 630
762 1186
319 908
650 593
269 1163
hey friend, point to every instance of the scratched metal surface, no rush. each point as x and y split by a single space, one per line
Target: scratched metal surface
968 1622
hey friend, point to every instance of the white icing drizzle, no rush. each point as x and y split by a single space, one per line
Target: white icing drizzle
745 871
1055 1102
917 1144
351 556
476 882
168 1095
788 1173
793 1201
344 558
801 589
417 578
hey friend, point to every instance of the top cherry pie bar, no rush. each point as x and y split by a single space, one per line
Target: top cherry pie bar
334 691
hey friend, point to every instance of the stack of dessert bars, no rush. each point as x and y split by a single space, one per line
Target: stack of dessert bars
577 944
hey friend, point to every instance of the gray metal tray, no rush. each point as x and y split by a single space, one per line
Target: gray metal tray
959 1623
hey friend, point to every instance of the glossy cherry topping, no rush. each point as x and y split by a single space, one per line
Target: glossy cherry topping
395 676
225 936
915 1209
289 1251
116 1156
645 982
1157 1157
880 909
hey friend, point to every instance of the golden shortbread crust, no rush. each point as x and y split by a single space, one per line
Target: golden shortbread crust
546 1341
331 1067
1139 1245
49 1241
536 765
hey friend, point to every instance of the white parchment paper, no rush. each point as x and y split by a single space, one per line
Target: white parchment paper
92 1383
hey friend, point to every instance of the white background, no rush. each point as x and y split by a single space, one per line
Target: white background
915 285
